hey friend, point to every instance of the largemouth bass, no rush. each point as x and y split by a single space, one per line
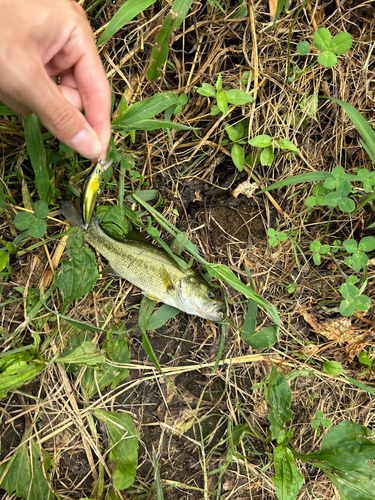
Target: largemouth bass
151 269
90 189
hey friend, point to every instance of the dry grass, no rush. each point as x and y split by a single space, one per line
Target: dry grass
186 422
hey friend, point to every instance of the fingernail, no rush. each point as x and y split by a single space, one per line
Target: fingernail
86 143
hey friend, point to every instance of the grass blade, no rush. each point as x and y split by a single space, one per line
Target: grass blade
360 123
160 51
296 179
38 158
5 111
128 11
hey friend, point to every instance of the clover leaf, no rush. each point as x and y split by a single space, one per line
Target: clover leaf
34 223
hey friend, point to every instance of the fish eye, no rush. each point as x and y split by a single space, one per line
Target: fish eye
211 294
98 171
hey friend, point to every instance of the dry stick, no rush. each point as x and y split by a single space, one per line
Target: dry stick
54 262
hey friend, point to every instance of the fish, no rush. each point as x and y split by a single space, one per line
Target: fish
151 269
90 189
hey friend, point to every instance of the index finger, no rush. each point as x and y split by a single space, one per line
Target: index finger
95 91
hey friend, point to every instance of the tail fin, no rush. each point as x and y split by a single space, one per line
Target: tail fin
71 214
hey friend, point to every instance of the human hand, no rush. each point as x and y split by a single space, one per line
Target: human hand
42 40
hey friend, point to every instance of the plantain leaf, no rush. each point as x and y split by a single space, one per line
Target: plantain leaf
38 157
354 485
78 274
87 354
288 481
117 352
280 398
346 447
123 443
23 473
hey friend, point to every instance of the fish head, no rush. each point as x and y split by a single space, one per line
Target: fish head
196 296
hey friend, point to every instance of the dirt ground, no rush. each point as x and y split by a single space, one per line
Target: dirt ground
187 427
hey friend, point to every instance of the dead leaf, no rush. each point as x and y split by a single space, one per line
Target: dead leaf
339 330
247 188
272 4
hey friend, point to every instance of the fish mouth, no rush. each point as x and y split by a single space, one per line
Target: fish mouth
215 313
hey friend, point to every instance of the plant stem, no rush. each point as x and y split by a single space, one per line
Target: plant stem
290 33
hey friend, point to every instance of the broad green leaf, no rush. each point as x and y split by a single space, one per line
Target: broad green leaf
303 48
341 43
160 50
346 308
143 110
285 144
18 373
24 474
37 154
234 133
279 398
332 368
346 205
222 272
367 244
159 317
261 141
266 337
207 90
348 291
327 59
238 97
238 156
78 274
363 128
41 210
23 220
360 260
123 443
87 354
354 485
222 102
287 481
315 246
117 352
362 303
219 83
37 228
350 245
113 220
267 156
346 447
4 259
322 39
365 360
128 11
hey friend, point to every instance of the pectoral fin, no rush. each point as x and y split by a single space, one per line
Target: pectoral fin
108 270
166 279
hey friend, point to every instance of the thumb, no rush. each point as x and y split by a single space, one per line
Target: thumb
66 122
